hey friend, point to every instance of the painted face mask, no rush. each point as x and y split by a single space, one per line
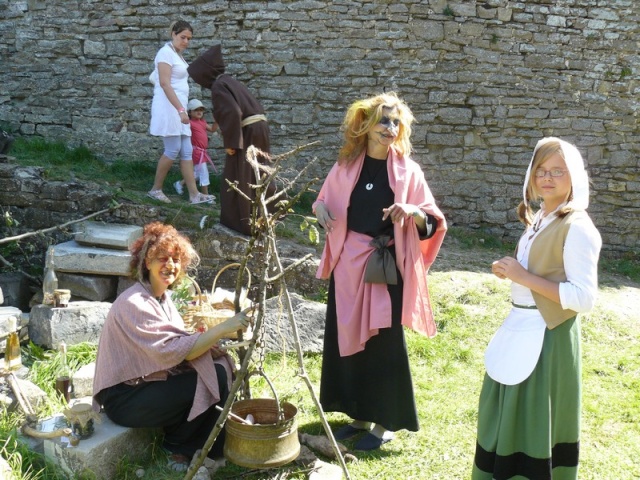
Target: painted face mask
391 124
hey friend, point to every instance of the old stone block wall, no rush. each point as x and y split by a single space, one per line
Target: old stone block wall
485 80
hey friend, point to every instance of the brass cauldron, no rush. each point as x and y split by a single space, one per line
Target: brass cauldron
267 444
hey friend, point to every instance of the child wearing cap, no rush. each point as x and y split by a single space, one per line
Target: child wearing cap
200 142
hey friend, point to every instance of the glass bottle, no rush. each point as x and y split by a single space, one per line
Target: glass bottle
13 355
50 281
64 385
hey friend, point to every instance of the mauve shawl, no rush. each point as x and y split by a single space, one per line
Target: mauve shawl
360 316
140 339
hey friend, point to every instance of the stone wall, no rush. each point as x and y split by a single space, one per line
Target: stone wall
485 80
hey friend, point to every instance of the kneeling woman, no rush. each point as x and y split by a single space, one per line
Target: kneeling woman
150 372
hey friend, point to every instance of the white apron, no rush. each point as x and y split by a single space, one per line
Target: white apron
514 350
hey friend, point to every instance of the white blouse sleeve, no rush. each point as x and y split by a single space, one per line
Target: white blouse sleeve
581 253
165 55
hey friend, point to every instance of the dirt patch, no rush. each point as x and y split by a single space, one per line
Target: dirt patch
617 295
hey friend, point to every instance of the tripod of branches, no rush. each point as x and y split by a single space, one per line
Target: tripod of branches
266 213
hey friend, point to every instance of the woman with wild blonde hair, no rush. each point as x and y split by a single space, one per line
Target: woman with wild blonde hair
529 408
363 115
383 231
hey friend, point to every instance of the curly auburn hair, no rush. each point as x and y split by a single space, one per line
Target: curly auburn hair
157 240
363 115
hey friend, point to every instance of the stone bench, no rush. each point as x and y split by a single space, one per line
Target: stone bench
79 322
102 451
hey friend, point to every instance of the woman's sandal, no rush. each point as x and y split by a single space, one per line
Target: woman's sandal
158 195
178 462
201 198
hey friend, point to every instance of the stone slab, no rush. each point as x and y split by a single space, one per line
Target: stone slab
14 290
102 451
75 258
83 380
77 323
108 235
123 284
5 313
83 286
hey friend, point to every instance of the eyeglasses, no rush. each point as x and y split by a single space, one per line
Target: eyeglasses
555 172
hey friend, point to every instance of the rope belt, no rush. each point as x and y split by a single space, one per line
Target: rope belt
528 307
253 119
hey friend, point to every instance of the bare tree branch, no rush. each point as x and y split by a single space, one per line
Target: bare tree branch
57 227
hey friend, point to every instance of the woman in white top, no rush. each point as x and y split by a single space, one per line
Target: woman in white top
169 118
529 409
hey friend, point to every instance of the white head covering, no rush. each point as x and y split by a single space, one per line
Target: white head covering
575 165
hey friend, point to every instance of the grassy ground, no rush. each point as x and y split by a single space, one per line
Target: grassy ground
469 304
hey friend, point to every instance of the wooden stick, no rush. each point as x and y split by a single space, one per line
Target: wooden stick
234 416
32 432
22 400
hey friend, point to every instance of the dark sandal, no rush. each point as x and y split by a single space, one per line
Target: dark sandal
346 432
370 442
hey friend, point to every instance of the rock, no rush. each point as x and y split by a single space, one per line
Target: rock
325 471
306 457
321 444
310 320
208 468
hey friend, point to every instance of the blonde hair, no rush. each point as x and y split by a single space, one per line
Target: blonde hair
542 154
363 115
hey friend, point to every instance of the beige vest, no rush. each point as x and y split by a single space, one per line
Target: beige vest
546 260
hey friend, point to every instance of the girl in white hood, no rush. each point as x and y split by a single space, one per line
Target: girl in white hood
529 412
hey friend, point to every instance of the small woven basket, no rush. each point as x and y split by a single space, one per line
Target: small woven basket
198 308
208 312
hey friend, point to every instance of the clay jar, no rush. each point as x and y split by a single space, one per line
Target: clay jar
81 417
61 298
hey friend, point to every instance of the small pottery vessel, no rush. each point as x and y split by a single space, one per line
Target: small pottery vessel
81 417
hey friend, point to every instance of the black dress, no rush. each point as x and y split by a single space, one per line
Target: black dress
373 385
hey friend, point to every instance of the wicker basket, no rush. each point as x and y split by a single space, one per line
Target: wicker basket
208 311
198 308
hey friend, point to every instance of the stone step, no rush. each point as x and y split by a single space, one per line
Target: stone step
108 235
75 258
97 288
100 453
83 380
5 313
79 322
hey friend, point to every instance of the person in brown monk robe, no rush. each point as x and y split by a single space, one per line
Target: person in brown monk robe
242 123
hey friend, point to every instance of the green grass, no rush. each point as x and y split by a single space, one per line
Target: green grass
447 373
128 181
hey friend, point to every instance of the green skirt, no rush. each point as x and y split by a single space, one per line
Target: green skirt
532 430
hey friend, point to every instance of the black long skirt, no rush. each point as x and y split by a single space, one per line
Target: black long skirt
373 385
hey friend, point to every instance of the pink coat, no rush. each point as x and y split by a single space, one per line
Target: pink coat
363 308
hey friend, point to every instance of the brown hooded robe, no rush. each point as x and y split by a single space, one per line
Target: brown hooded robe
232 102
